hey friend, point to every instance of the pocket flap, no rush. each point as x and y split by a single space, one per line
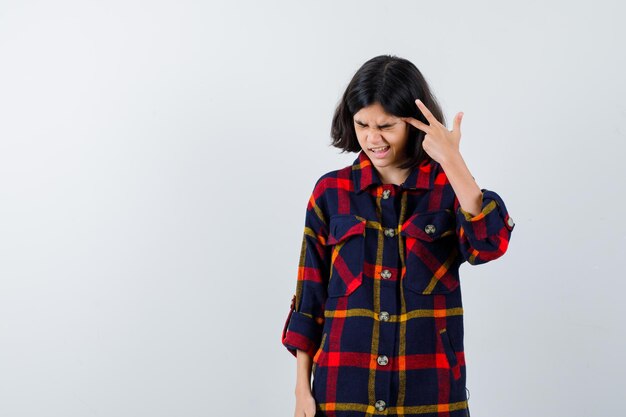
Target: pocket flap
342 226
429 225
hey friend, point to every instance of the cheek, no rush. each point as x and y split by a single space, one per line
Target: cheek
396 139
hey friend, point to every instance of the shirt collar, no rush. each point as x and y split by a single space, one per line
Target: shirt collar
364 175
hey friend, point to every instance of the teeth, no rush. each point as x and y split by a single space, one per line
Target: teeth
379 149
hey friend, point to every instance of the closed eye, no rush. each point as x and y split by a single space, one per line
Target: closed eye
380 127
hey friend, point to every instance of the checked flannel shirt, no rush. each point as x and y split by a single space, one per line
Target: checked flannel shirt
378 298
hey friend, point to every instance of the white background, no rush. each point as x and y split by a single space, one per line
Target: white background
155 163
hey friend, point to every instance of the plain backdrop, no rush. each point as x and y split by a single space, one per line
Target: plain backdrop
156 159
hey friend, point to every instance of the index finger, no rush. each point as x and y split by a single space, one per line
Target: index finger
429 116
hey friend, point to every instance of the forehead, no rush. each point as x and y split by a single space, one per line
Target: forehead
373 113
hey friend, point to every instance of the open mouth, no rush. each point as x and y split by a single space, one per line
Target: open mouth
380 149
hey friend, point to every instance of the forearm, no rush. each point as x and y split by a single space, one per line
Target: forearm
467 191
303 369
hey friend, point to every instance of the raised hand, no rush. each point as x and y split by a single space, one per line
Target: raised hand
439 142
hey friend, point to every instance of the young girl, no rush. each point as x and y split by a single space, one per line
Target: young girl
377 319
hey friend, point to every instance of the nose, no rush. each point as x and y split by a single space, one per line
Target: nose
374 136
375 139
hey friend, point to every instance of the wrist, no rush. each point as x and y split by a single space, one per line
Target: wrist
303 388
453 158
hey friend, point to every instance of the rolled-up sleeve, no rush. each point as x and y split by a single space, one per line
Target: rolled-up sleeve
305 320
485 236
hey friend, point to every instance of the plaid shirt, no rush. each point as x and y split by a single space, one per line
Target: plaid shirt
378 298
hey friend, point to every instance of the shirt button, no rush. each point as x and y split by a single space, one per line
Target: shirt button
385 274
389 232
383 316
510 222
386 194
380 405
430 229
383 360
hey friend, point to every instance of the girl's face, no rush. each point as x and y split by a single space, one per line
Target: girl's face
381 135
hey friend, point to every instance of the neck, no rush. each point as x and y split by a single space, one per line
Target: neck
393 175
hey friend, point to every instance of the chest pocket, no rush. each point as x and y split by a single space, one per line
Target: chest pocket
346 235
430 252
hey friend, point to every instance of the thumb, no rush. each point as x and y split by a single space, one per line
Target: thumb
457 122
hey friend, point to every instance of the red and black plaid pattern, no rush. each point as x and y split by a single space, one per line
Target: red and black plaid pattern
378 298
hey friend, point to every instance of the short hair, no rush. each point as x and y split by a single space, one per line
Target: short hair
395 83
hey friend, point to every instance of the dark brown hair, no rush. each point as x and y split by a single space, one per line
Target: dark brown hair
395 83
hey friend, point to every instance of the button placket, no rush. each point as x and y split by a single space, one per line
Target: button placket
388 217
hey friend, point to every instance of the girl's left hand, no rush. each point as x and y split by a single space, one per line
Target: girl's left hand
439 142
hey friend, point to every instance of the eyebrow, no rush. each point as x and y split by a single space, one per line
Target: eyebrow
365 124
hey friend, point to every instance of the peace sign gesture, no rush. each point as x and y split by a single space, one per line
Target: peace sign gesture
440 143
